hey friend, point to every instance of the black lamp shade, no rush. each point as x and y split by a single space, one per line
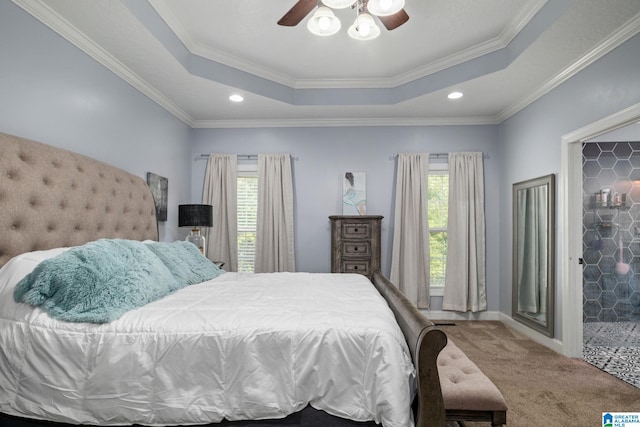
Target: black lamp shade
195 215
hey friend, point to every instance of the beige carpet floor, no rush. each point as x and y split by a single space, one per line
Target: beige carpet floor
541 387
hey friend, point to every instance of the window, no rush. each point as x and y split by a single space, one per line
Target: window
438 203
247 216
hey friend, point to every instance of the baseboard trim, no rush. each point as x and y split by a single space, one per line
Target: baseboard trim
454 315
551 343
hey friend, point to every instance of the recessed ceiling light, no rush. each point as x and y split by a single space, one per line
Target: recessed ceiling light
455 95
236 98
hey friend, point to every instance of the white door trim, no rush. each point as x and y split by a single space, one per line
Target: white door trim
570 212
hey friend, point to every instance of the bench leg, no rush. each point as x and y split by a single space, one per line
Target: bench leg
498 418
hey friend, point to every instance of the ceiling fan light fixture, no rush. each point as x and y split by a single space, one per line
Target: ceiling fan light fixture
385 7
338 4
364 28
324 22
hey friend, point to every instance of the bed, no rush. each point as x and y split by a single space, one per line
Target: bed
224 350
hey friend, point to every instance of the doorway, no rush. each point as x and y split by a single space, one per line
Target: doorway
611 223
611 256
570 212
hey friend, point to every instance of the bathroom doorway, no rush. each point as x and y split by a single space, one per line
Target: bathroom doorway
611 253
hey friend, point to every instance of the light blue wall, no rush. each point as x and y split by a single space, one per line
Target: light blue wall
52 92
626 134
530 141
325 154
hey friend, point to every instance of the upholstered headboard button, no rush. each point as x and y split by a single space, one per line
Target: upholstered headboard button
53 198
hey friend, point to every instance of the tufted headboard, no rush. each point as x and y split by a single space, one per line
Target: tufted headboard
50 197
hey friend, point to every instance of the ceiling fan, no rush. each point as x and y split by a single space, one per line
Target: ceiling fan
303 7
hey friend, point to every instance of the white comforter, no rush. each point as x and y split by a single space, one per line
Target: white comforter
237 347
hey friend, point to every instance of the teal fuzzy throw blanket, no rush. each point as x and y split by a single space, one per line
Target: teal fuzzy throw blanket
185 261
99 281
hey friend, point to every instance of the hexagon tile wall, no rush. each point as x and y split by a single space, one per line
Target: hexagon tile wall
611 226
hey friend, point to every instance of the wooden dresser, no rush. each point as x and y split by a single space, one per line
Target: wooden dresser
355 244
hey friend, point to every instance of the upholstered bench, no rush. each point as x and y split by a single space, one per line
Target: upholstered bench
468 394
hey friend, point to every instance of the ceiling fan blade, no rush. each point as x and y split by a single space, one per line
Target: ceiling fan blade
297 13
395 20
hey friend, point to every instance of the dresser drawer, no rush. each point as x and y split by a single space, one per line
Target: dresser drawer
358 248
355 243
355 230
356 266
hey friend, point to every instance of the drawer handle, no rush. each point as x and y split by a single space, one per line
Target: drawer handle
355 249
355 230
355 267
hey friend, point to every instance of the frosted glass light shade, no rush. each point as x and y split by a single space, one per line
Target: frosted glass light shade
364 28
324 22
384 7
338 4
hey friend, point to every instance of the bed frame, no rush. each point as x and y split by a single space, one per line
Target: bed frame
51 197
425 342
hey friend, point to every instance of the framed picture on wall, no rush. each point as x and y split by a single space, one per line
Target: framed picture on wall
354 193
159 186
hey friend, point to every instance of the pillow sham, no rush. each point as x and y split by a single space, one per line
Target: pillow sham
97 282
185 262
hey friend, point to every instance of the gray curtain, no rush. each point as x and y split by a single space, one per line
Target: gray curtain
532 250
465 276
221 191
274 234
410 254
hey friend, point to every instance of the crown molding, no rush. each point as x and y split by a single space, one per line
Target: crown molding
473 52
338 92
481 49
39 10
521 20
195 48
51 19
341 122
624 33
391 82
54 21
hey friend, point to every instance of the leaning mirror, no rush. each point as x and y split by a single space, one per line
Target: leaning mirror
534 253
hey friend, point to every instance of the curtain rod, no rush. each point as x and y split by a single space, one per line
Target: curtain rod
240 156
436 155
255 156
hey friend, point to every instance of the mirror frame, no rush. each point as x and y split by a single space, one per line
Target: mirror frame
549 181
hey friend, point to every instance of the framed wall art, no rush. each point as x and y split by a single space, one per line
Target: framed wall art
159 186
354 193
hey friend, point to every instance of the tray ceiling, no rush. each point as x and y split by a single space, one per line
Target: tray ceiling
190 55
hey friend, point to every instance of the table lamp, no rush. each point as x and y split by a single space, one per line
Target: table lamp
196 216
